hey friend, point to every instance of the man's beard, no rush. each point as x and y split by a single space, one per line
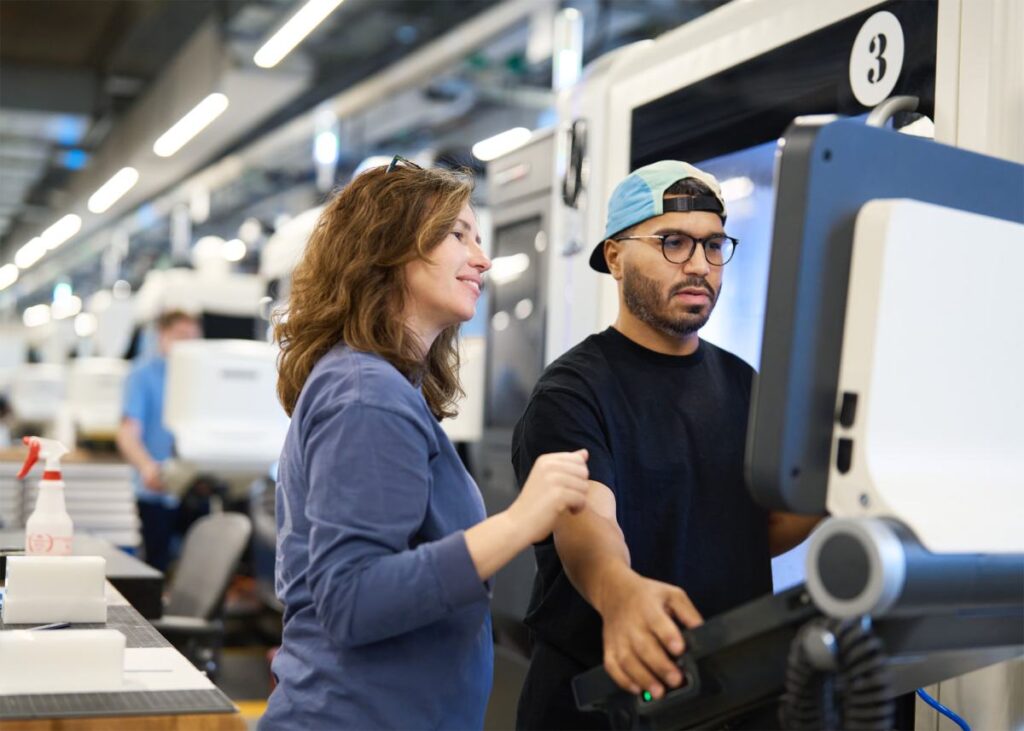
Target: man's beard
645 300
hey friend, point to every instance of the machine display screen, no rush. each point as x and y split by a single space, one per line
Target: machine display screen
228 327
516 328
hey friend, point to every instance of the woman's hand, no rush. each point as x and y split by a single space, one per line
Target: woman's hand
557 483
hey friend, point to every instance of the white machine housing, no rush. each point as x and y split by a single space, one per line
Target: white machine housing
37 392
221 404
979 63
193 291
932 357
284 248
95 393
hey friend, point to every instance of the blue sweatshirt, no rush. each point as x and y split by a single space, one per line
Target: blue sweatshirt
386 622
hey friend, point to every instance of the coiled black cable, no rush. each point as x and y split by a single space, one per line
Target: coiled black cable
855 695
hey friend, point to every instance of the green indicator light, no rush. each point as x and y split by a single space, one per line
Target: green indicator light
647 696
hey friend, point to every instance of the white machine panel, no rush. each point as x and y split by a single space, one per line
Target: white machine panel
221 403
37 391
932 350
468 425
95 388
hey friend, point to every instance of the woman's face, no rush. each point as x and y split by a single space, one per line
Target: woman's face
444 290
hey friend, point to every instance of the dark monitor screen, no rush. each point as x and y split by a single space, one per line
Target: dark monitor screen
228 327
826 172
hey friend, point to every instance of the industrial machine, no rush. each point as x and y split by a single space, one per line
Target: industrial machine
220 403
720 92
519 194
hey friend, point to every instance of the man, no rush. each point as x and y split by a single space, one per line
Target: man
670 534
145 442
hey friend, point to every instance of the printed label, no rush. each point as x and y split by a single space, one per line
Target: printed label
45 544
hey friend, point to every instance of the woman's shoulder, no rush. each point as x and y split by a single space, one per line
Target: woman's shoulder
345 376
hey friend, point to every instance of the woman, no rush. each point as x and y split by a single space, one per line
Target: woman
383 551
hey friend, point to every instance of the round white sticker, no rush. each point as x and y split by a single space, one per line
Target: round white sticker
876 58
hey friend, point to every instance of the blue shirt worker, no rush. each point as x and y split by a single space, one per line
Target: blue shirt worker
145 442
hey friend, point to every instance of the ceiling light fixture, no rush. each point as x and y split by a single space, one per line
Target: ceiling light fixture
233 250
66 307
30 253
499 144
61 231
292 33
111 191
8 276
190 125
36 315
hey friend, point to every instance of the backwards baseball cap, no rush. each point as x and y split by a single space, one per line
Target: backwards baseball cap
641 195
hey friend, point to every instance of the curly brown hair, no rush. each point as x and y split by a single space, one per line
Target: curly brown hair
350 283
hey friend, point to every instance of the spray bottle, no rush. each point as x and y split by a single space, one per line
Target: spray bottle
48 530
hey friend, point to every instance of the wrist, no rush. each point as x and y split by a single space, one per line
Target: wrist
612 584
511 529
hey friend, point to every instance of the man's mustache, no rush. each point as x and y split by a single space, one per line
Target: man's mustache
692 282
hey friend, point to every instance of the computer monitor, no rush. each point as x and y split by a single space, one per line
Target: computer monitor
827 169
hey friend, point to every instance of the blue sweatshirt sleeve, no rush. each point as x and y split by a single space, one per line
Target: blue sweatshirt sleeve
369 485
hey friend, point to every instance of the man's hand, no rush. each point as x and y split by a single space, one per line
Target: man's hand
151 476
641 636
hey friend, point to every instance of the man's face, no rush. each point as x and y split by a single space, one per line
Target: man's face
676 299
183 329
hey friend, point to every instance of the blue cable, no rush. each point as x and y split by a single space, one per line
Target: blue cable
943 710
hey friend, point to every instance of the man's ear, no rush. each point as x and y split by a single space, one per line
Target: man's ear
613 257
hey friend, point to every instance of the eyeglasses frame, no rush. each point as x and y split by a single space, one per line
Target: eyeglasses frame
696 241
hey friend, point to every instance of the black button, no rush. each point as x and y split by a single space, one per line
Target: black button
848 410
844 455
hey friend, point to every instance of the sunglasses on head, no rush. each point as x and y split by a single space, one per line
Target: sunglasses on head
399 161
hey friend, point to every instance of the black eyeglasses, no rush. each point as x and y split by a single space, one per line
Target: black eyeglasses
398 160
678 248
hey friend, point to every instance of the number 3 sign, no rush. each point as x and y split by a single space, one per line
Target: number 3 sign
876 58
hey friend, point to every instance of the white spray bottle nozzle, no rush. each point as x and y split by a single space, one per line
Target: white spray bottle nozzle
49 449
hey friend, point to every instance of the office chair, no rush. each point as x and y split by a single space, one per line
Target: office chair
211 550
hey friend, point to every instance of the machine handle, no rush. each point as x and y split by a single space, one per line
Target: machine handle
885 111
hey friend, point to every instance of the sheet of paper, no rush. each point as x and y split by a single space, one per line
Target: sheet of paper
161 668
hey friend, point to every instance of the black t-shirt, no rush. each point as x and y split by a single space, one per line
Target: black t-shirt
667 435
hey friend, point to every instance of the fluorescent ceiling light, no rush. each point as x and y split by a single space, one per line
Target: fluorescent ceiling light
233 250
61 231
325 148
30 253
36 315
85 324
499 144
61 290
100 302
8 275
291 34
190 125
66 307
112 190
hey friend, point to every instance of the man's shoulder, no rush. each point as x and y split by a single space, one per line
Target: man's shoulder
719 357
581 367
